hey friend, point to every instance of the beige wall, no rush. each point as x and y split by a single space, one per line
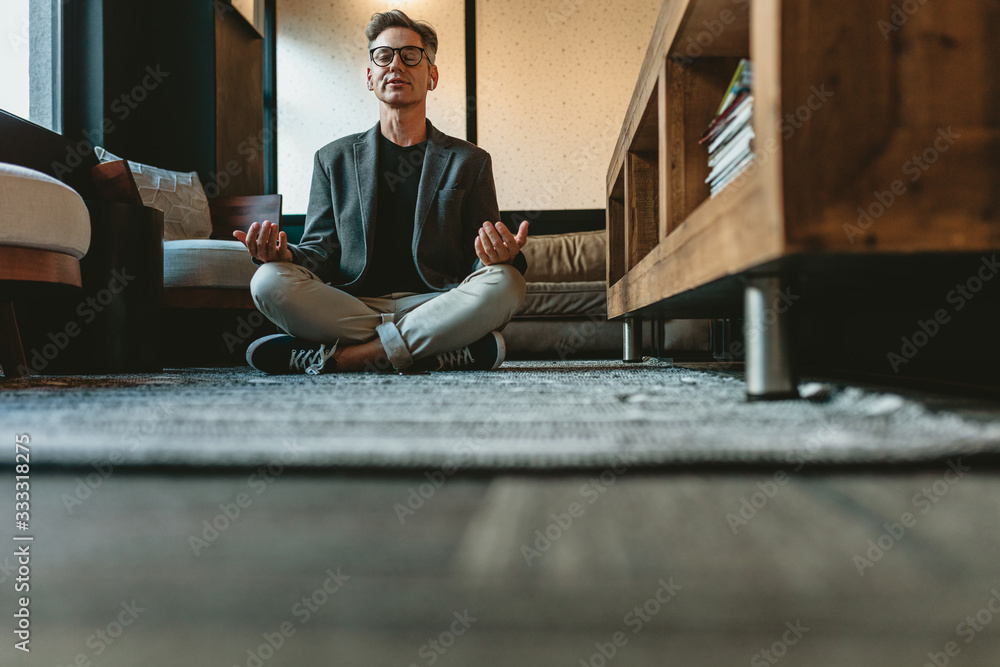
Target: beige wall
554 81
322 93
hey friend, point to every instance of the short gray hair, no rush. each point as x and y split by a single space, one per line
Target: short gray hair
396 19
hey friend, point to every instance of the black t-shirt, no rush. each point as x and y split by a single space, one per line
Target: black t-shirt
391 267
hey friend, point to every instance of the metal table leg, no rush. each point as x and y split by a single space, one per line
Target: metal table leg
769 373
632 339
656 332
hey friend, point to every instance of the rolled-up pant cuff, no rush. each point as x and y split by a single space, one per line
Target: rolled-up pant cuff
395 349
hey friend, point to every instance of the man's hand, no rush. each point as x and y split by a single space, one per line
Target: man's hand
265 242
496 245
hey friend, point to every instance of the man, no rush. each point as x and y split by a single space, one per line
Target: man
401 264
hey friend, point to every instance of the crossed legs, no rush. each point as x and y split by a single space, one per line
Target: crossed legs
394 330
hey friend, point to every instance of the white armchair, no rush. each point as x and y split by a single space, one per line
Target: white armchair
44 231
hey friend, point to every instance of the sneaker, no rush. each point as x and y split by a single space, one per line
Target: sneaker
281 354
486 354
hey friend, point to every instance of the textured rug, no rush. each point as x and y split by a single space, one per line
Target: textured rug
525 415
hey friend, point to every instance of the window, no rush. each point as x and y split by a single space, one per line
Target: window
31 60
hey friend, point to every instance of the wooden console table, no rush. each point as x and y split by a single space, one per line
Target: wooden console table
878 161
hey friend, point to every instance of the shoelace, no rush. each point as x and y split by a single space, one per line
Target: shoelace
455 359
311 361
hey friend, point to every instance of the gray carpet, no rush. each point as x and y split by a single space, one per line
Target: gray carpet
527 414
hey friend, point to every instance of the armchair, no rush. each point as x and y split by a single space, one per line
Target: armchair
44 231
216 272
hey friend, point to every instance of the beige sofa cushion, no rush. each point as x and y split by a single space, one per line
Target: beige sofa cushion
207 263
564 338
577 256
569 299
38 211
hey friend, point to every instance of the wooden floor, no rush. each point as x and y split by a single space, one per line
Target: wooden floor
399 586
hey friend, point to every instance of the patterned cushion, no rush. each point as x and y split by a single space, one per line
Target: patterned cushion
179 195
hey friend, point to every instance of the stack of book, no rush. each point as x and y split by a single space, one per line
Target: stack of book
730 136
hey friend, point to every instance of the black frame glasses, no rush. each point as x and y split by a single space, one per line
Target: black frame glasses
400 51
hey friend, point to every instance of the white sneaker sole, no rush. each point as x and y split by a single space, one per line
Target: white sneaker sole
257 343
501 349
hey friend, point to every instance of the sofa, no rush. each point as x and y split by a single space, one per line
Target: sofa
44 231
203 265
193 302
564 314
98 309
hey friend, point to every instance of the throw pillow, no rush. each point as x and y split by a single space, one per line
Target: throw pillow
179 195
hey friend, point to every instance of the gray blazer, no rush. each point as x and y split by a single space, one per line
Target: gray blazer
456 195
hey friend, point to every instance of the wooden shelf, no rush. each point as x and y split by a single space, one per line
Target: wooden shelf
867 144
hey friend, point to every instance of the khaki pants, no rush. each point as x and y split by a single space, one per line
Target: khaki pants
410 326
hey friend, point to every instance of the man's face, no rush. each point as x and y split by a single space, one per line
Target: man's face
396 84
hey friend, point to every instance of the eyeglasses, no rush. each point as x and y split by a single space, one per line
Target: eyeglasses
383 55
